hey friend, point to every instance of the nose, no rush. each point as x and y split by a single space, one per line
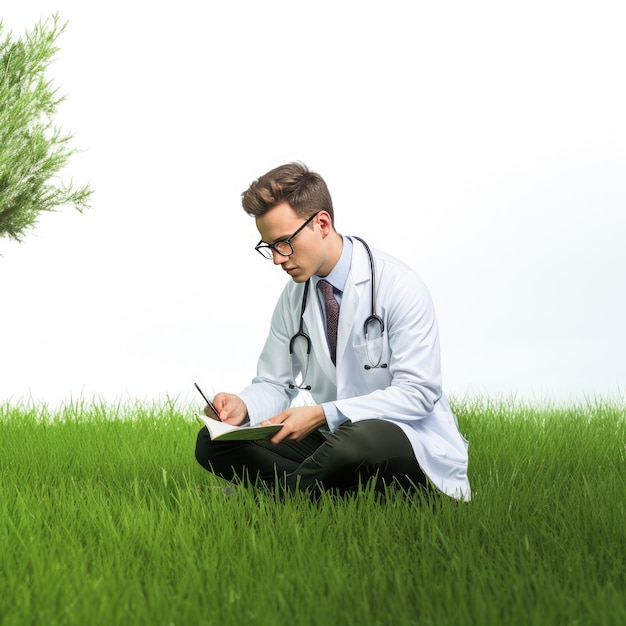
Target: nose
278 258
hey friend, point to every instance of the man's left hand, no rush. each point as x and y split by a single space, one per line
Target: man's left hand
297 422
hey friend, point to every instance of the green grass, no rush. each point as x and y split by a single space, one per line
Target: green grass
102 522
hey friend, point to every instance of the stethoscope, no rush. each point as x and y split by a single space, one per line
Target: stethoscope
373 318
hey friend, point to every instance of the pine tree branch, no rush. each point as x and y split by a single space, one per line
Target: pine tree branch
32 149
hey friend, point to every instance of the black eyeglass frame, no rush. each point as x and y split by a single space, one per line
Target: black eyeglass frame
262 247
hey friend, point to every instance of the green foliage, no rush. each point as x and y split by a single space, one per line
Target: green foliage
32 149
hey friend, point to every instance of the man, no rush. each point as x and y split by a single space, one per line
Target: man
379 413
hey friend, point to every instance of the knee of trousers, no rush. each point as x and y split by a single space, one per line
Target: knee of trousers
369 440
203 445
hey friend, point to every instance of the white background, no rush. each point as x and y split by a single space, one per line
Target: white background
481 142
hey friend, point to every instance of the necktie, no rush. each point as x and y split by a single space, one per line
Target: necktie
332 316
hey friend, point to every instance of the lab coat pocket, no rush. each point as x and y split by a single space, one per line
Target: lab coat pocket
372 358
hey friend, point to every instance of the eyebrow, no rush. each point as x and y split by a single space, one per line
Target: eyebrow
286 237
283 238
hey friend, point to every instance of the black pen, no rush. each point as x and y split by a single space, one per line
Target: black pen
211 405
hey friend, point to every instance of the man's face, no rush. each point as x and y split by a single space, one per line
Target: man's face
279 224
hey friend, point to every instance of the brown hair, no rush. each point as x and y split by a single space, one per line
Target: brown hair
305 191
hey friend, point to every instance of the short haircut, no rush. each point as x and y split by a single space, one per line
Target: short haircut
305 191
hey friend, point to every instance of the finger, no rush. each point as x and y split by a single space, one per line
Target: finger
208 411
278 437
271 421
281 418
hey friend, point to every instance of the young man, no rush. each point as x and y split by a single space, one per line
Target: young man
380 413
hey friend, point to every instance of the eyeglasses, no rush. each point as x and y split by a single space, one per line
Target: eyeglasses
282 246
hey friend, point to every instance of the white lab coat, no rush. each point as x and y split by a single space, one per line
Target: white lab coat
408 392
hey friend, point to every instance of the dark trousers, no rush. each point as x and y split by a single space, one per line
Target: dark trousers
354 454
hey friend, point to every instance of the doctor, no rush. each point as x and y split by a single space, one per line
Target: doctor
364 343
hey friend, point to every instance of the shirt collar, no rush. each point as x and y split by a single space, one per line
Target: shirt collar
339 274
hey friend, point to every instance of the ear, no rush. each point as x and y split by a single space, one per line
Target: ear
325 223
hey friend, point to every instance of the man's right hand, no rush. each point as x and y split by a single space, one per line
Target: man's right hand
230 408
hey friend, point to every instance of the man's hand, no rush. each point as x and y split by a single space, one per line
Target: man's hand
230 408
297 422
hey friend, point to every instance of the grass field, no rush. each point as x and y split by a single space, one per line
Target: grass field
103 522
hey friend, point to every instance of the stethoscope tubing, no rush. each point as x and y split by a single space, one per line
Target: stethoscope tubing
373 317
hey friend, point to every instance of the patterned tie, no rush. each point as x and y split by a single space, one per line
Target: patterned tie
332 316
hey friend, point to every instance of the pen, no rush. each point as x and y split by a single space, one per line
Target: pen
211 405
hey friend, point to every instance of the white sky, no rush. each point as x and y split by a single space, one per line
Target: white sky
482 142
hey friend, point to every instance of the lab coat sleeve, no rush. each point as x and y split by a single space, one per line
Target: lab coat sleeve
413 357
269 393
